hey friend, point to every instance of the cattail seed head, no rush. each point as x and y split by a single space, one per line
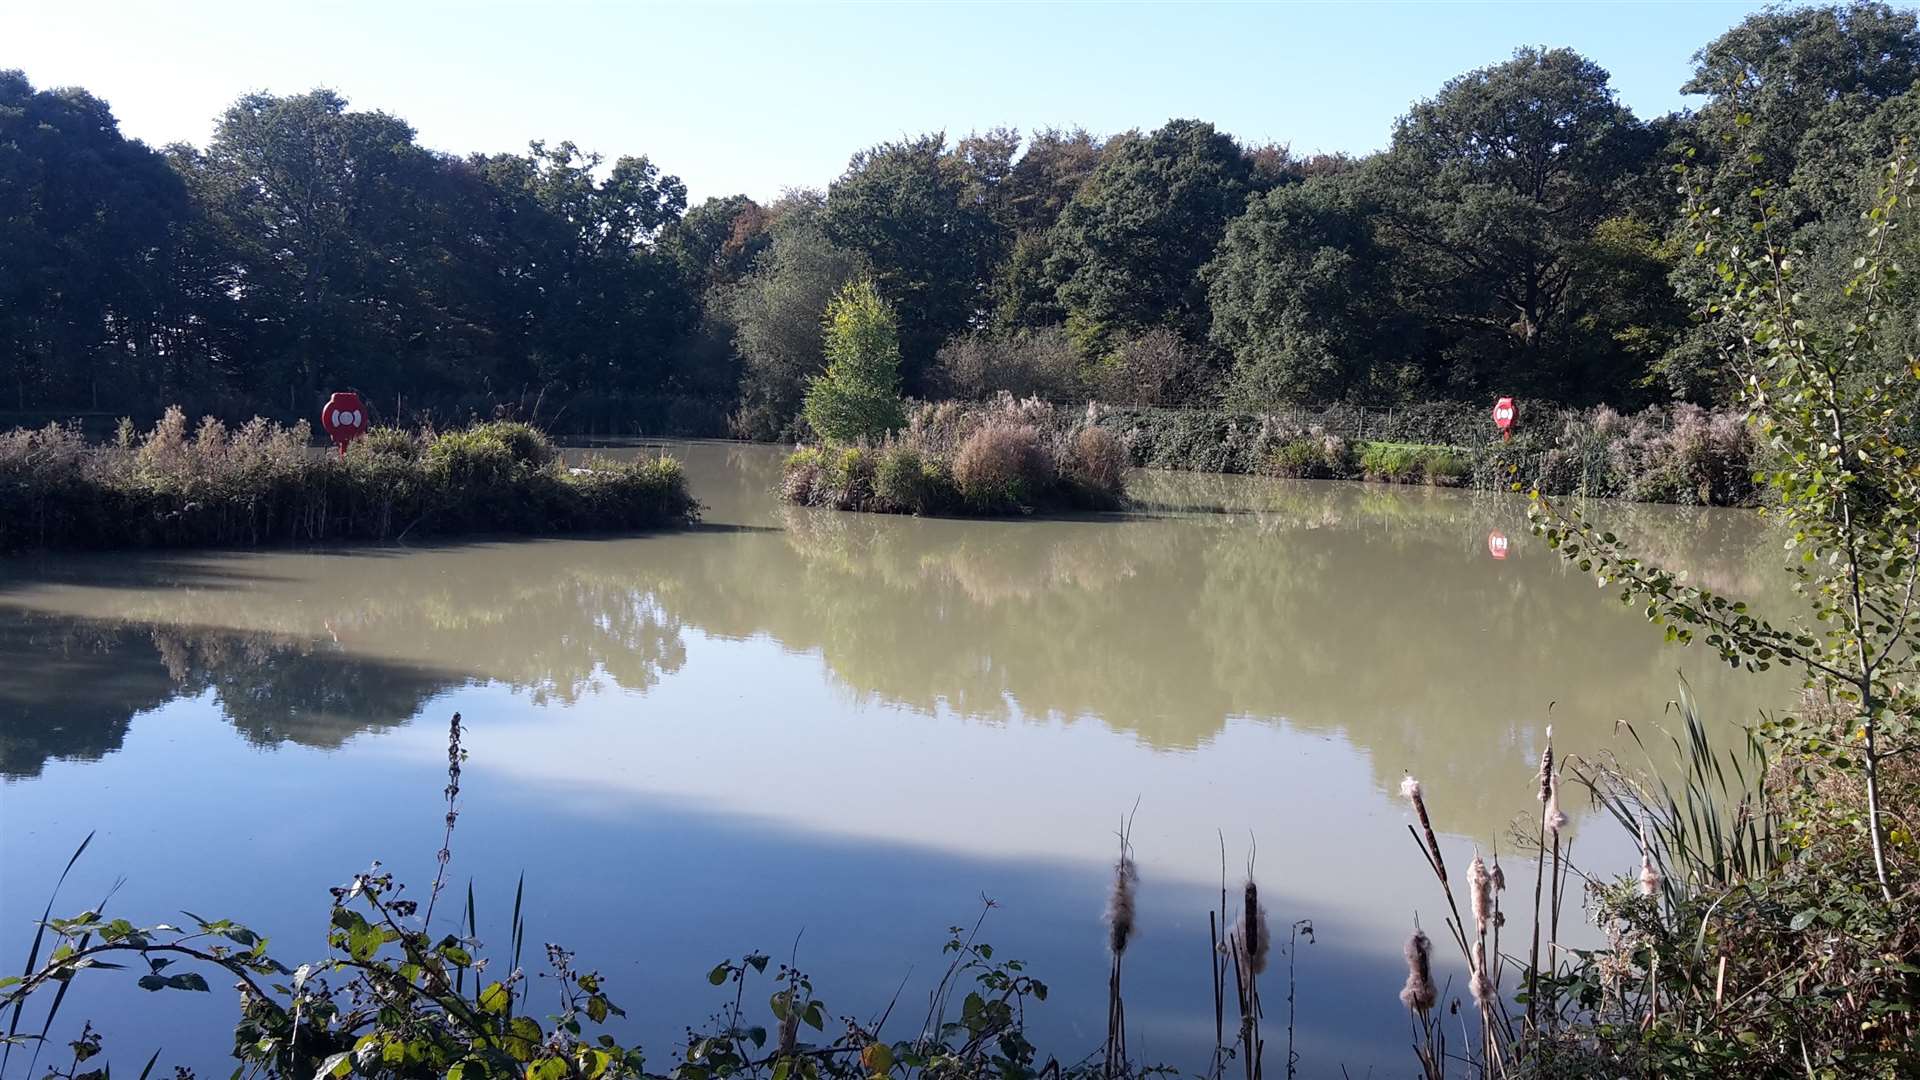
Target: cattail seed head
1250 939
1481 985
1552 818
1546 768
1480 893
1499 876
1419 994
1120 904
1649 875
1410 788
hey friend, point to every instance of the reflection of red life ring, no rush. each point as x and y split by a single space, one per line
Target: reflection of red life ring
344 418
1497 544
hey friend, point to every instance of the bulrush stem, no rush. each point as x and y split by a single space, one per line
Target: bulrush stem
1120 919
455 755
1410 788
1539 873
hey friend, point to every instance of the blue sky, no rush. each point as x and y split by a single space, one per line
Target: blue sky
755 98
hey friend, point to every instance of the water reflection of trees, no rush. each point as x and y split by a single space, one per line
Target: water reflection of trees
280 671
1371 613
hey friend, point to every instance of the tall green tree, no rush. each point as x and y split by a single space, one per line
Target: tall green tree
1302 292
91 224
1129 245
716 242
607 303
1047 175
1492 191
317 206
858 396
919 222
1049 172
774 315
1804 103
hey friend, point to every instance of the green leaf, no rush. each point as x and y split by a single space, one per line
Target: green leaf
496 998
719 973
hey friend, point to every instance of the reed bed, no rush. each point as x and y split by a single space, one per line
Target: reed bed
1006 457
1680 454
266 484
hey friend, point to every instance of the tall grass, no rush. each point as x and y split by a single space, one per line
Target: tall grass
1002 458
1672 454
263 484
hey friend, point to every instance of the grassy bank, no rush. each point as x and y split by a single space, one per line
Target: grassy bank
1000 458
264 484
1680 454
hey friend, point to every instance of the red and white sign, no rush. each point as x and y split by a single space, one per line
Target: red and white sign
344 418
1503 414
1497 544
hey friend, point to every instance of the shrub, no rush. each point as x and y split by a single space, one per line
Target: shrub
800 477
389 442
1393 463
903 483
1096 466
1296 458
848 475
1002 467
1310 457
1155 368
1445 467
1031 363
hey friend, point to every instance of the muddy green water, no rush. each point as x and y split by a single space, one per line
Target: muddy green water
845 729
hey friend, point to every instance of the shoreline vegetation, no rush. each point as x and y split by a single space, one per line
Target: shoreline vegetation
1682 454
264 484
1516 234
1002 458
1007 456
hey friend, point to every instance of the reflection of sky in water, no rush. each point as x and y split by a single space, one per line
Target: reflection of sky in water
703 743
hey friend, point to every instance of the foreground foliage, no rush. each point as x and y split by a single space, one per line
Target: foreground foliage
1773 926
265 484
1752 939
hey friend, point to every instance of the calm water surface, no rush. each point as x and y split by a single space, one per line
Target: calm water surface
842 729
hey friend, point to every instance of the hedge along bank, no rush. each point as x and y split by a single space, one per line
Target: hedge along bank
1672 454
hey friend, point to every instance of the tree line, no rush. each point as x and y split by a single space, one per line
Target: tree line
1516 235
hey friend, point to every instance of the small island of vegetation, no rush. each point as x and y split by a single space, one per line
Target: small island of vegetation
265 483
1002 457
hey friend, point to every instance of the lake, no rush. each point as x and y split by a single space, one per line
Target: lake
828 736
